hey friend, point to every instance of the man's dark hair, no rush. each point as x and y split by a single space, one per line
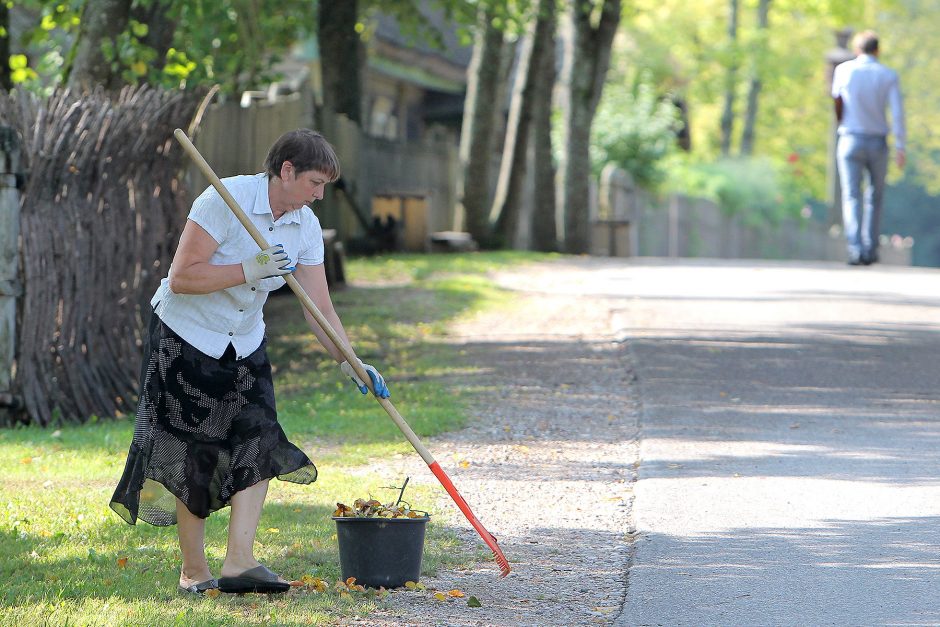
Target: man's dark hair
306 150
866 42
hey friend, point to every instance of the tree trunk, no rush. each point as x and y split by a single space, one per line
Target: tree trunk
684 134
753 93
160 28
506 205
341 58
727 116
587 57
544 232
6 78
101 23
476 136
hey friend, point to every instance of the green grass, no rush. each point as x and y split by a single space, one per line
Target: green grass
64 550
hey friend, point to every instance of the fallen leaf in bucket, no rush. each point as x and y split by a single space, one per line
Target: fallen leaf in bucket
343 510
440 596
456 593
474 602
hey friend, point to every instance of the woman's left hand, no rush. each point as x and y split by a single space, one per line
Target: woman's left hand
378 382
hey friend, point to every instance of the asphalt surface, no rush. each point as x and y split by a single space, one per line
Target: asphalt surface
789 453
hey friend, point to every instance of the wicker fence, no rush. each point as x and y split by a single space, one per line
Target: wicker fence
99 214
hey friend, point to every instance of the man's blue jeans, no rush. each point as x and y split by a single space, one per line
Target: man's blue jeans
857 154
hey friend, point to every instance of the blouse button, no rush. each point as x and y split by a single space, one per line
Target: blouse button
241 311
270 228
254 289
231 333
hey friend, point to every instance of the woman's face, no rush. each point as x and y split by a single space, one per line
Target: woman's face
302 188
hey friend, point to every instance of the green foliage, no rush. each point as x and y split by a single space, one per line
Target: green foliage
231 42
684 48
756 189
38 59
227 42
635 130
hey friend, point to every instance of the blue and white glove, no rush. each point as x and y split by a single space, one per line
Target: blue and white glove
378 383
270 262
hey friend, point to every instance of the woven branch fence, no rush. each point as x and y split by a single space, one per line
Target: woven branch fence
99 215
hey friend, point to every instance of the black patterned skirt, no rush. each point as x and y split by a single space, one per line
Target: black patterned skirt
206 428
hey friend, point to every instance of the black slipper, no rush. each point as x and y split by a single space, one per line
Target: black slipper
200 588
257 579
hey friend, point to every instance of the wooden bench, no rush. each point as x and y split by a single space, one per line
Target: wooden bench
451 241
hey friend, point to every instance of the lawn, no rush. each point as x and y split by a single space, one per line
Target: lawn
69 560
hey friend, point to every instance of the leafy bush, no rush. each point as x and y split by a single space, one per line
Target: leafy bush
635 130
755 189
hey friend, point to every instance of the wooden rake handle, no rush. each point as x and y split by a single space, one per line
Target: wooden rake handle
346 350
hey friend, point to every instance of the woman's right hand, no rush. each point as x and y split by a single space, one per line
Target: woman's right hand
270 262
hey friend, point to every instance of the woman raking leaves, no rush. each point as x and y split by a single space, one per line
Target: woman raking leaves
207 434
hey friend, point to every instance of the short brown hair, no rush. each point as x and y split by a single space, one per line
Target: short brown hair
306 150
866 42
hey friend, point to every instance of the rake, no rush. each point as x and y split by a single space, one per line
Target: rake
348 353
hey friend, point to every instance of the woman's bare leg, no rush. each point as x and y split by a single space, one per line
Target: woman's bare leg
246 512
192 537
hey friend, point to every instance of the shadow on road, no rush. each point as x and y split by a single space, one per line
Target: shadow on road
781 575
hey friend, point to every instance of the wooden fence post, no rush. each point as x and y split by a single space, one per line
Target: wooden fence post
10 286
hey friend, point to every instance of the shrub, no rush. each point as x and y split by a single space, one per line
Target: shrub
635 130
755 189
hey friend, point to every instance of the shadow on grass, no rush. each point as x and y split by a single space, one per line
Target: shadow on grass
113 560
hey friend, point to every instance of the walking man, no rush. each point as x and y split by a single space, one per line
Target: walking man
862 90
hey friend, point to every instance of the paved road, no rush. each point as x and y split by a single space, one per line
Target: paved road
790 442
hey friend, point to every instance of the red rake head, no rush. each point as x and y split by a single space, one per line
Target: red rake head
490 540
503 563
462 504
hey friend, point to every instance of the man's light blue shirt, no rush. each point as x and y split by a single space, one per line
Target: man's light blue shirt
867 89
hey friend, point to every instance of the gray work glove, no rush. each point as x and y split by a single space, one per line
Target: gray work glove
270 262
378 383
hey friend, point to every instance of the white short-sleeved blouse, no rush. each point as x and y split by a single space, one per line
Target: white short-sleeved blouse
210 322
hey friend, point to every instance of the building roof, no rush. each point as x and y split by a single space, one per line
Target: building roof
409 56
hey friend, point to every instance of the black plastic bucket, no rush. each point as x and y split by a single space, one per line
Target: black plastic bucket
381 552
